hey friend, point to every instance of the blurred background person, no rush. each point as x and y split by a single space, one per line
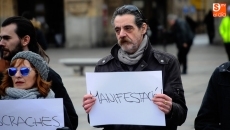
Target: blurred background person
37 25
209 22
224 30
192 23
183 37
153 24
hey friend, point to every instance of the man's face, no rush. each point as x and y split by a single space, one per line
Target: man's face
10 43
171 22
129 36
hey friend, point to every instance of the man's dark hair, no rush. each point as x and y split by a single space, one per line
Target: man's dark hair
25 27
130 9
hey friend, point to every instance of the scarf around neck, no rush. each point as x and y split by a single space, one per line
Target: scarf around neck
131 59
15 93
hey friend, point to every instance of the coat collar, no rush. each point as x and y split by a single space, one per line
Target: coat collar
225 67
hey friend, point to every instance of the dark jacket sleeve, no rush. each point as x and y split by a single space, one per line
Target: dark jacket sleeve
207 117
60 92
173 85
67 120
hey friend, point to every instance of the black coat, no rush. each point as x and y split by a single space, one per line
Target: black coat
214 112
60 92
152 60
71 117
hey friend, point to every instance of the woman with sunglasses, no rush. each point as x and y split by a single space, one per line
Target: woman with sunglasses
26 78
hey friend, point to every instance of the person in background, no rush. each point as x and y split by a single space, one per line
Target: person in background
183 37
134 52
154 24
225 32
214 110
18 34
192 24
37 25
26 78
209 22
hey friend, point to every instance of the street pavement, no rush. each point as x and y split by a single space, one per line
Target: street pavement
202 60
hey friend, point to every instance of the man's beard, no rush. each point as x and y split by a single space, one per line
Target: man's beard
6 54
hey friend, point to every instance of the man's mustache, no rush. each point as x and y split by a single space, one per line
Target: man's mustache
123 40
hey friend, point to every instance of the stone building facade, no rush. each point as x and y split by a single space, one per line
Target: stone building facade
86 23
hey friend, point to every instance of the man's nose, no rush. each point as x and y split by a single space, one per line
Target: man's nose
122 33
1 41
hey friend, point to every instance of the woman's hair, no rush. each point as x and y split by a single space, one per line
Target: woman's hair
42 85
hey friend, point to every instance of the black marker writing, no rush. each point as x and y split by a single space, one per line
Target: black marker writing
130 97
9 120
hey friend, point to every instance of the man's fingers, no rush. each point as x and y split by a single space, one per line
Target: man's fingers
163 102
87 96
163 107
87 104
88 101
166 97
89 108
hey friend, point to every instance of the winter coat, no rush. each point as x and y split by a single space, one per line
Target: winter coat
152 60
60 92
214 112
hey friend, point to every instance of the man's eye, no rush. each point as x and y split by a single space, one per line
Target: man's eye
117 30
4 38
128 28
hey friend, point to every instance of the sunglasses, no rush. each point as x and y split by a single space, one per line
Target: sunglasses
133 8
23 70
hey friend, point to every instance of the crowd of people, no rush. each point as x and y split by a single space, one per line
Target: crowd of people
25 73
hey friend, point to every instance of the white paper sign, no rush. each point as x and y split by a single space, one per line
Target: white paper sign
125 98
31 114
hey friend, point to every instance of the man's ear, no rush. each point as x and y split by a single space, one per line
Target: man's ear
25 40
144 28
